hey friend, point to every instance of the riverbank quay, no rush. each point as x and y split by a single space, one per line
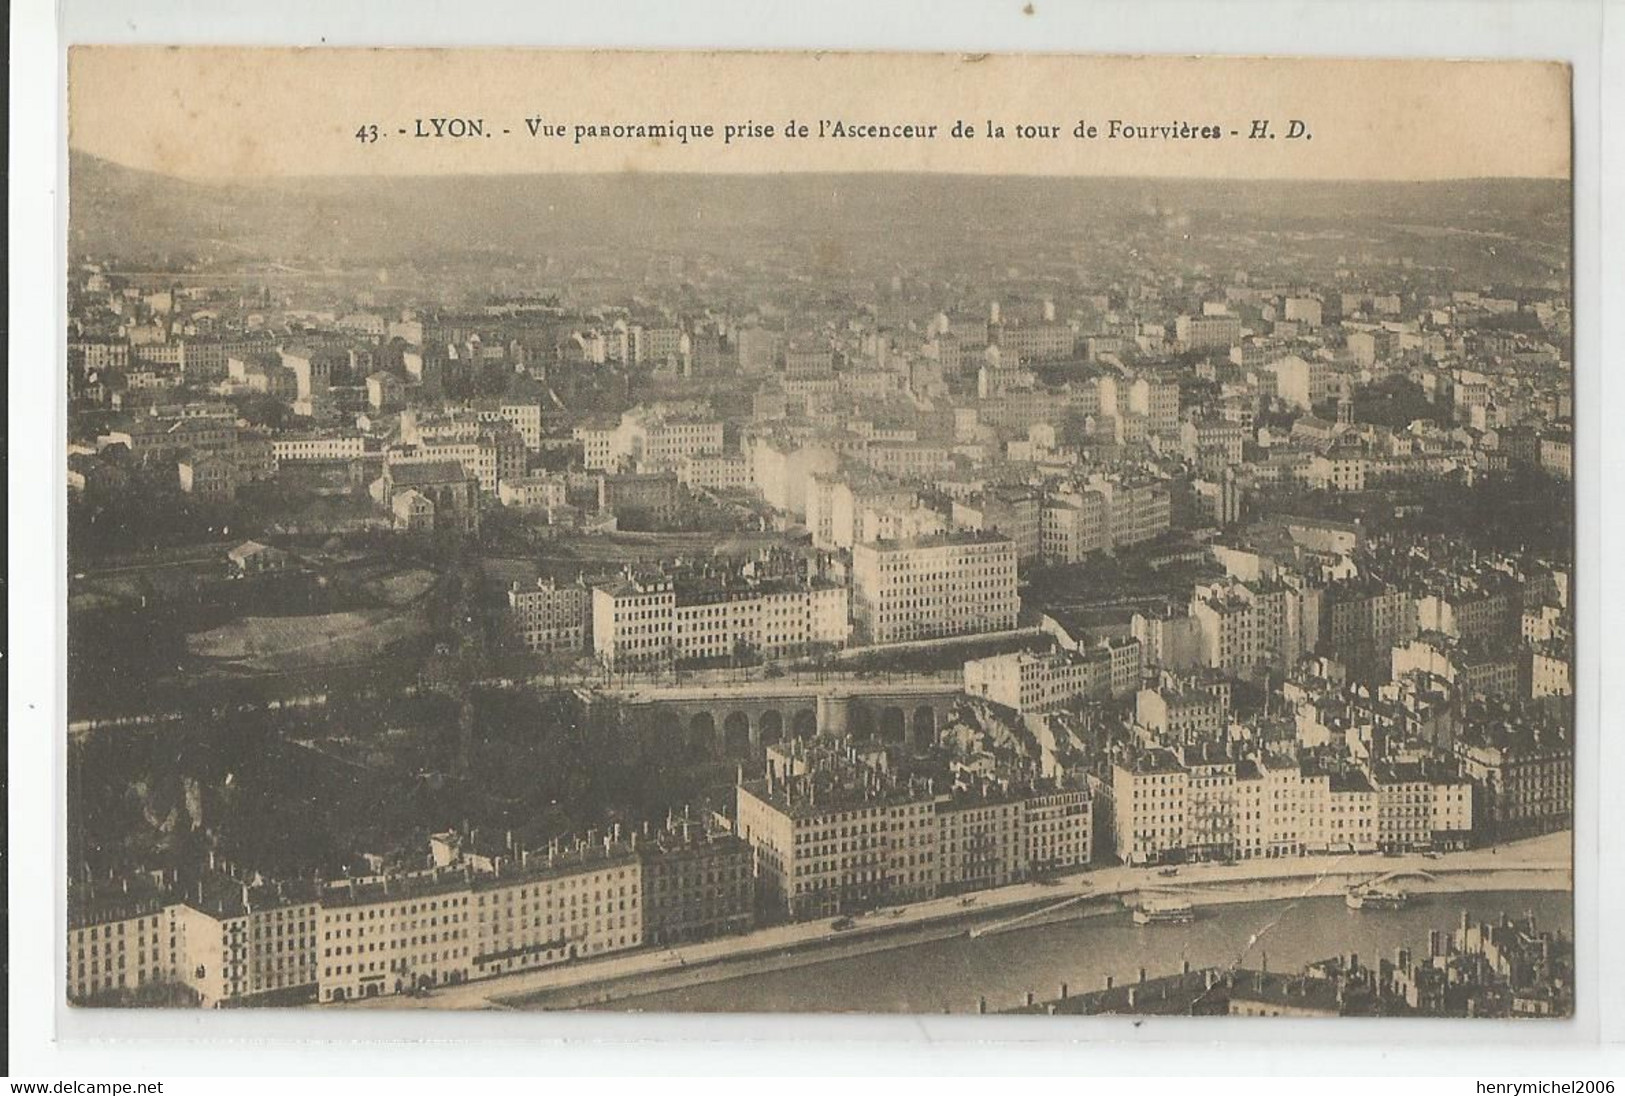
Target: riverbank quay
1542 863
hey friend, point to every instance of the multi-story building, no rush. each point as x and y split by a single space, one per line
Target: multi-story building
387 935
1073 525
834 835
1170 638
1523 777
654 496
1208 332
1473 669
660 345
1213 444
1034 341
1210 802
1148 805
1364 619
714 471
118 941
1059 830
838 839
1300 384
1551 670
1452 813
1304 310
1175 714
540 492
552 616
906 460
1140 509
1011 511
955 584
524 415
491 452
212 479
1487 607
1557 452
545 907
312 369
982 840
336 446
698 883
236 943
659 437
657 619
1158 403
151 438
781 468
1405 806
1029 682
1201 802
1247 628
598 443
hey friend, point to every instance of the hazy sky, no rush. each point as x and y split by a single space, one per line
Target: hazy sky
224 113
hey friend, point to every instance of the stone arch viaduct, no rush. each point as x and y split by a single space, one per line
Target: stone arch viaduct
740 723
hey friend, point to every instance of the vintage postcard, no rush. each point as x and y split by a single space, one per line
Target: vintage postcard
819 533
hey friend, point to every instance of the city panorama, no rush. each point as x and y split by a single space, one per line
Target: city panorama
860 593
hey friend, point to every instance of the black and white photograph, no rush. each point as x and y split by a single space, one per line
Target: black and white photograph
819 533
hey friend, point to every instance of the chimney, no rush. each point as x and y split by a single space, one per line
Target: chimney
1108 981
1031 997
1142 976
981 1006
1063 991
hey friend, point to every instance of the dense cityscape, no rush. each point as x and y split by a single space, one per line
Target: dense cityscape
483 577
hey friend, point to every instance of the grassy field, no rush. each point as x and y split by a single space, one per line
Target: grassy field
288 643
400 587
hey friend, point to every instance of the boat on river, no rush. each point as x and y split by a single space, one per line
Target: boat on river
1376 898
1164 911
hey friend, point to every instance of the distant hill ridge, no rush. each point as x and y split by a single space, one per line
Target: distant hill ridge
115 211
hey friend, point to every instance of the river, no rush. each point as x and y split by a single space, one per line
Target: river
949 974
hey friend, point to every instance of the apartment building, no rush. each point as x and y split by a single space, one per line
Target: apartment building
1029 682
545 907
118 941
926 588
698 883
1148 802
386 935
236 943
552 616
656 619
1247 628
838 840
